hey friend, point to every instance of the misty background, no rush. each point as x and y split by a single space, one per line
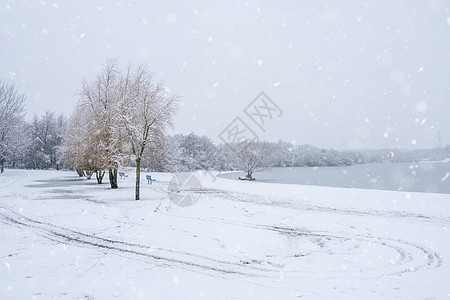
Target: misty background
347 75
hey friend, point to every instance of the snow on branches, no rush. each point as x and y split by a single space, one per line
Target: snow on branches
119 118
12 105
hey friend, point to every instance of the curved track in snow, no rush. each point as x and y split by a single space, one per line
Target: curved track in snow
402 256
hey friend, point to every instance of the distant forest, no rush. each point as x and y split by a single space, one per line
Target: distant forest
36 144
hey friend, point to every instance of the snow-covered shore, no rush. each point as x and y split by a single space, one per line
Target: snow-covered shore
63 237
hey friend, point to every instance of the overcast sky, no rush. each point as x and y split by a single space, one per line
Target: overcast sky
345 74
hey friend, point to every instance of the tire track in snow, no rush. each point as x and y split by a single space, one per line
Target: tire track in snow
407 262
290 204
164 257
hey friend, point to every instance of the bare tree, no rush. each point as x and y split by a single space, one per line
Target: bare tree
145 111
80 148
100 101
12 105
120 116
252 157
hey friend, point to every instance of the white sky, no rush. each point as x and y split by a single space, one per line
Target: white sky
346 74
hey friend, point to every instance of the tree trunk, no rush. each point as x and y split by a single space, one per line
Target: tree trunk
2 168
99 174
113 178
80 172
138 177
88 173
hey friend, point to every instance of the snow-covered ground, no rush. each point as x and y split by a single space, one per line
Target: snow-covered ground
65 237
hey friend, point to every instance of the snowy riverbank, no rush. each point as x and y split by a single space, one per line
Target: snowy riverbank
69 238
421 177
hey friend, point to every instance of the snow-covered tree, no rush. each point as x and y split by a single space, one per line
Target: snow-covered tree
100 102
252 156
196 153
19 144
146 111
283 154
162 157
225 158
12 105
46 137
80 148
121 116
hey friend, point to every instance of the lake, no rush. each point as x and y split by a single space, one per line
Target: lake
428 177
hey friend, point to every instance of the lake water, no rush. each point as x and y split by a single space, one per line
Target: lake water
429 177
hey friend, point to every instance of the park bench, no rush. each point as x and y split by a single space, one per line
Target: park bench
149 179
122 175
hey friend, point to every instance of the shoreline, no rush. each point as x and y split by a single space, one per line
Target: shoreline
428 177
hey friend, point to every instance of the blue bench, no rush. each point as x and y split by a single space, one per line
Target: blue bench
149 179
122 175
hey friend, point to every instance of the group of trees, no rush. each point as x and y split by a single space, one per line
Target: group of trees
121 118
45 134
196 152
12 105
193 152
25 144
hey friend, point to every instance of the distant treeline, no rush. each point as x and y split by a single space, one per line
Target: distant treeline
404 155
35 145
194 152
200 153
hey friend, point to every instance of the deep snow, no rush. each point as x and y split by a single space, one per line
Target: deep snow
65 237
